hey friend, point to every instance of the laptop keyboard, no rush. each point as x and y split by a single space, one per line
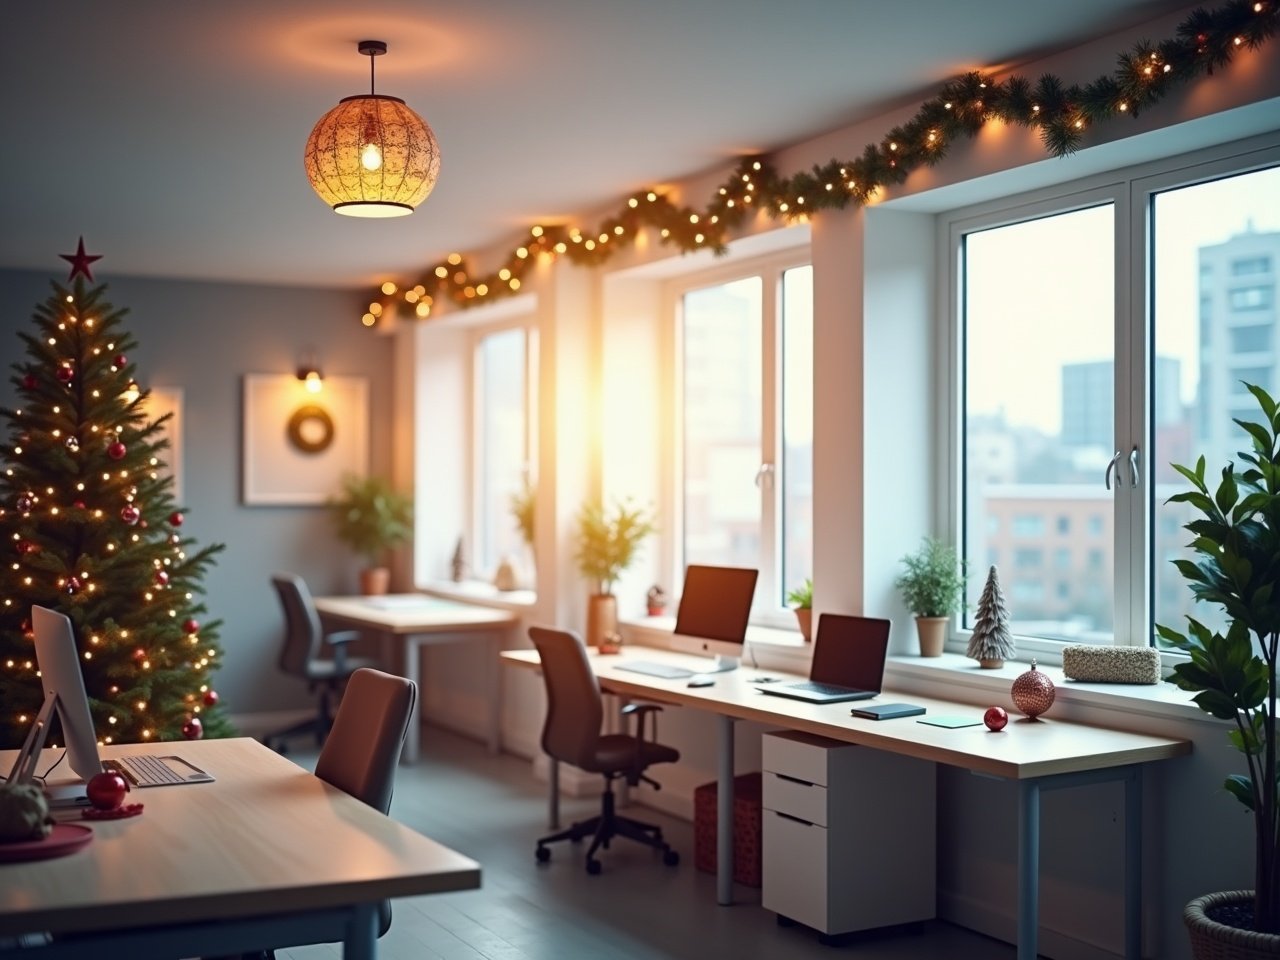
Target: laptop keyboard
827 689
145 771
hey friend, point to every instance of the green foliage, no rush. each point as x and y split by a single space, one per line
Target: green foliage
370 517
522 508
608 541
68 495
933 582
802 596
1236 541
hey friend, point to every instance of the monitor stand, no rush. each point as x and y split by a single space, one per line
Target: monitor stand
721 664
67 793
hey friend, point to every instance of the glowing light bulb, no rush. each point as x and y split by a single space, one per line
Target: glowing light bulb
371 157
312 381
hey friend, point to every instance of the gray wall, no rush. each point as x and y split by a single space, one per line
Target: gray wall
202 338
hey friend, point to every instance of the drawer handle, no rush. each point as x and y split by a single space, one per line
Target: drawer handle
787 816
803 783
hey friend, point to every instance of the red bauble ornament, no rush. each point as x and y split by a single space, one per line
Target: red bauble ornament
120 360
1033 692
73 585
106 790
65 373
191 625
24 503
139 654
79 504
211 698
193 729
30 382
995 718
175 518
117 450
130 514
162 578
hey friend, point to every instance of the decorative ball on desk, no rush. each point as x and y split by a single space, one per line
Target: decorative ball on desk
106 790
193 729
1033 692
995 718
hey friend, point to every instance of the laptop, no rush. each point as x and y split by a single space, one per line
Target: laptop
848 661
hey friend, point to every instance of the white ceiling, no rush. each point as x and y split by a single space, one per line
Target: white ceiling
170 134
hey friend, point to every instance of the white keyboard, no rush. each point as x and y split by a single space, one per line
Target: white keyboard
144 770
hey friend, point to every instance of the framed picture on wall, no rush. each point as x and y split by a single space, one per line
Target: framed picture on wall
161 401
298 444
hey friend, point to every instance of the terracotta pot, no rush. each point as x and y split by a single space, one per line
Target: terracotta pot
375 581
1211 940
602 618
933 635
804 617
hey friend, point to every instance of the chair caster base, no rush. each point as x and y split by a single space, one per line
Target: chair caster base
671 858
543 854
593 867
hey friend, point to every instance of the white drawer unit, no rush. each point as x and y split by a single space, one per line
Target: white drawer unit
848 834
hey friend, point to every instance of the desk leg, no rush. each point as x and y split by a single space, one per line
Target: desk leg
1028 868
1133 864
494 686
724 814
412 656
362 933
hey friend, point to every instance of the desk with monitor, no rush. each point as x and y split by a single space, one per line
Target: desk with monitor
1038 756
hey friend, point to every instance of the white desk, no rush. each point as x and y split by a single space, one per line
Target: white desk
1039 756
417 620
268 856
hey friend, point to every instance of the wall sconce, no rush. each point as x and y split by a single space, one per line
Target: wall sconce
311 377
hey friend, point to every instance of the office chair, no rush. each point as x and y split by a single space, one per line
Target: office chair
304 642
571 734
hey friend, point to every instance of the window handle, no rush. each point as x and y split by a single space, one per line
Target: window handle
1111 466
1133 467
764 476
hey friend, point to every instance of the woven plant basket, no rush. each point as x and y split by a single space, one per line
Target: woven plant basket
1211 940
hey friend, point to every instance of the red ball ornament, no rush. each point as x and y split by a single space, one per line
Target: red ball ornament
24 503
191 625
130 514
65 373
106 790
193 729
73 584
120 360
117 450
1033 692
995 718
162 578
175 519
139 654
30 382
211 697
79 504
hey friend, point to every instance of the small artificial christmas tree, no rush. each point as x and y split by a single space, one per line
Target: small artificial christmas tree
991 643
89 527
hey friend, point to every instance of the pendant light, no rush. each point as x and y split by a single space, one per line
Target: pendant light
371 156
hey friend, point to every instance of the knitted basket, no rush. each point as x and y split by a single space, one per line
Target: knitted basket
1211 940
1111 664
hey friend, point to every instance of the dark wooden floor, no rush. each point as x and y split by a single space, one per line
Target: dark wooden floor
491 809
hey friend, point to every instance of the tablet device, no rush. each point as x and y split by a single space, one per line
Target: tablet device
887 711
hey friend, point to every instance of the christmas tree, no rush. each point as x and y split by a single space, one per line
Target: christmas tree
991 643
90 528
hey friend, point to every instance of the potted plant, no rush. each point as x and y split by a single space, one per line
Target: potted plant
607 545
520 570
801 600
1233 672
372 518
932 586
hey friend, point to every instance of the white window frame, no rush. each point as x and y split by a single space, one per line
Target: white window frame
1131 190
771 270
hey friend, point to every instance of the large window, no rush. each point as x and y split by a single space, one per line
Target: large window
1102 333
746 422
503 443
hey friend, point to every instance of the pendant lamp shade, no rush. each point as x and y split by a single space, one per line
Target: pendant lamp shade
372 156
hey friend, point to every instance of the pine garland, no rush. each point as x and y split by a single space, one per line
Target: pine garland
1148 73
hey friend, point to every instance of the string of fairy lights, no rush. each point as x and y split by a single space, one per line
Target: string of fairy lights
36 512
1205 41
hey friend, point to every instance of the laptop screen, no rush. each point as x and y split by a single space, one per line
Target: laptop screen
850 651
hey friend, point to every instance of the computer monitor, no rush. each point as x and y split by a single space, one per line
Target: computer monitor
63 684
714 607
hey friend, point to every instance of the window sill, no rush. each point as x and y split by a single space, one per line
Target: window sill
954 676
772 648
480 593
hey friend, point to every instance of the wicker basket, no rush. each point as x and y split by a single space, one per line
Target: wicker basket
1217 941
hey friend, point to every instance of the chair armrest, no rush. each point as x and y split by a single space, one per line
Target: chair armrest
338 641
641 711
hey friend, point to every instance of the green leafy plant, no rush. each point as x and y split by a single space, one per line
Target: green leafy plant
802 596
522 506
933 582
371 517
608 541
1236 541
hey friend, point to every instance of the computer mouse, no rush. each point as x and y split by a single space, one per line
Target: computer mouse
701 682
